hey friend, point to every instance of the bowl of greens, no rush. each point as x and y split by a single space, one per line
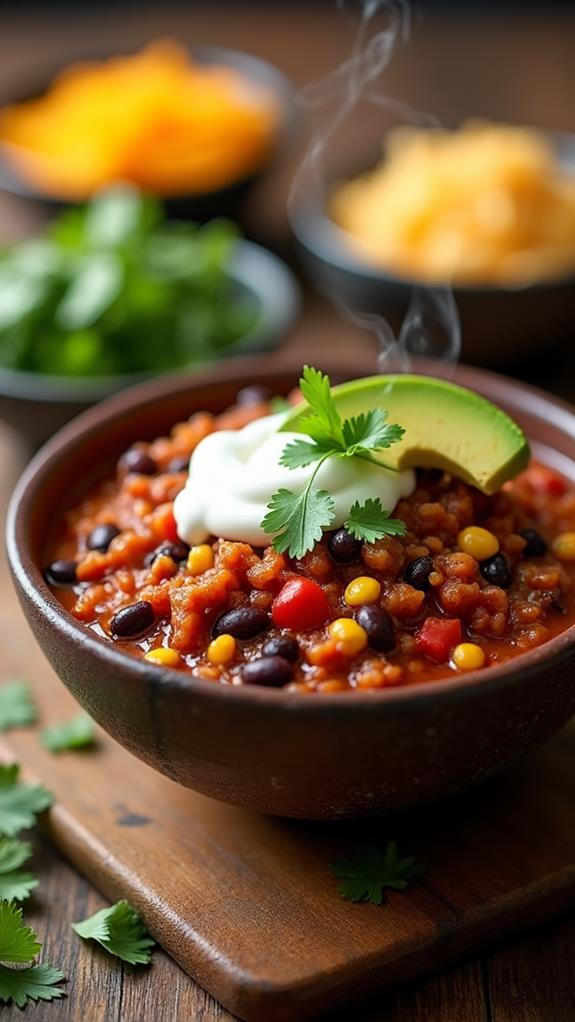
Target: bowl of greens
112 292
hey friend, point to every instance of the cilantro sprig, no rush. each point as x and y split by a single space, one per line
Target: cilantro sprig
17 706
120 931
15 884
297 520
365 875
20 803
19 946
76 733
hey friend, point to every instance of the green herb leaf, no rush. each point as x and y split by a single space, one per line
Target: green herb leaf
369 432
17 708
19 803
323 422
298 520
76 733
370 521
299 453
36 983
120 931
18 942
15 885
365 875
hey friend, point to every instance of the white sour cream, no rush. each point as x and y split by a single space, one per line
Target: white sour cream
234 474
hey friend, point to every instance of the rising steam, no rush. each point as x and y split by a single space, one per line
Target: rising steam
431 328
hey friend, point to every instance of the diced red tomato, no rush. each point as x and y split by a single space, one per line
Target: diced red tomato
437 637
300 604
546 480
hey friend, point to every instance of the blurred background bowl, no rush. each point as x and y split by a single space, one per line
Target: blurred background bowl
499 324
190 206
38 404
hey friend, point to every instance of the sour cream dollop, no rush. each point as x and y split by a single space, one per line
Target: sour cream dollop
234 474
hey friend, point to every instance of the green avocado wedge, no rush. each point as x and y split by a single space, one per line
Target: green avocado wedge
446 427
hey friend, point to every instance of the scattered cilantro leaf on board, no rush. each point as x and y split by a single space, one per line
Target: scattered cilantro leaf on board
17 707
365 875
19 803
76 733
15 885
120 931
370 521
19 945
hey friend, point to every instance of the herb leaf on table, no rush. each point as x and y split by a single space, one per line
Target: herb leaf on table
19 945
15 885
17 707
20 803
365 875
120 931
76 733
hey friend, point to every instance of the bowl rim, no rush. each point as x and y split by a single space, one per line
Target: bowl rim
31 582
24 85
276 315
324 239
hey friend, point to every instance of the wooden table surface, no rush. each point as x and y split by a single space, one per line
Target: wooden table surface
518 66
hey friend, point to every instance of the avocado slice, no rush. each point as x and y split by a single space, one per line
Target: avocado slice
446 427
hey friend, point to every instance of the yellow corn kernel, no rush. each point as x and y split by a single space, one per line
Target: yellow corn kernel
468 657
362 590
478 542
350 637
563 546
200 559
222 650
164 656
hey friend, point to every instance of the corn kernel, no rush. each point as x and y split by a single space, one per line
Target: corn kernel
362 590
200 559
222 650
165 656
351 638
468 657
563 546
478 542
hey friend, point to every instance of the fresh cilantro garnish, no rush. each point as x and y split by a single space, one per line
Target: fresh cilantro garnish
17 708
297 521
19 945
120 931
365 875
19 803
71 734
15 885
366 521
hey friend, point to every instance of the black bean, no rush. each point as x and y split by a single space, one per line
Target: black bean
379 627
177 551
281 645
496 571
61 573
535 544
253 395
133 620
138 462
274 671
343 547
101 537
417 573
242 623
180 464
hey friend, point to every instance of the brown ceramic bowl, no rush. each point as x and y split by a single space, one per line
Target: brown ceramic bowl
307 756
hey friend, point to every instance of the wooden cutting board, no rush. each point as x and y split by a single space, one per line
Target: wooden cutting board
248 905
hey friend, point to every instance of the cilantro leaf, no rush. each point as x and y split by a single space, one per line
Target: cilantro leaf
71 734
19 803
370 521
365 875
15 885
36 983
298 520
120 931
323 422
17 708
299 453
18 942
369 432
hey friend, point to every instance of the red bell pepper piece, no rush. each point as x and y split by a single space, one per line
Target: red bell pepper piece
437 637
